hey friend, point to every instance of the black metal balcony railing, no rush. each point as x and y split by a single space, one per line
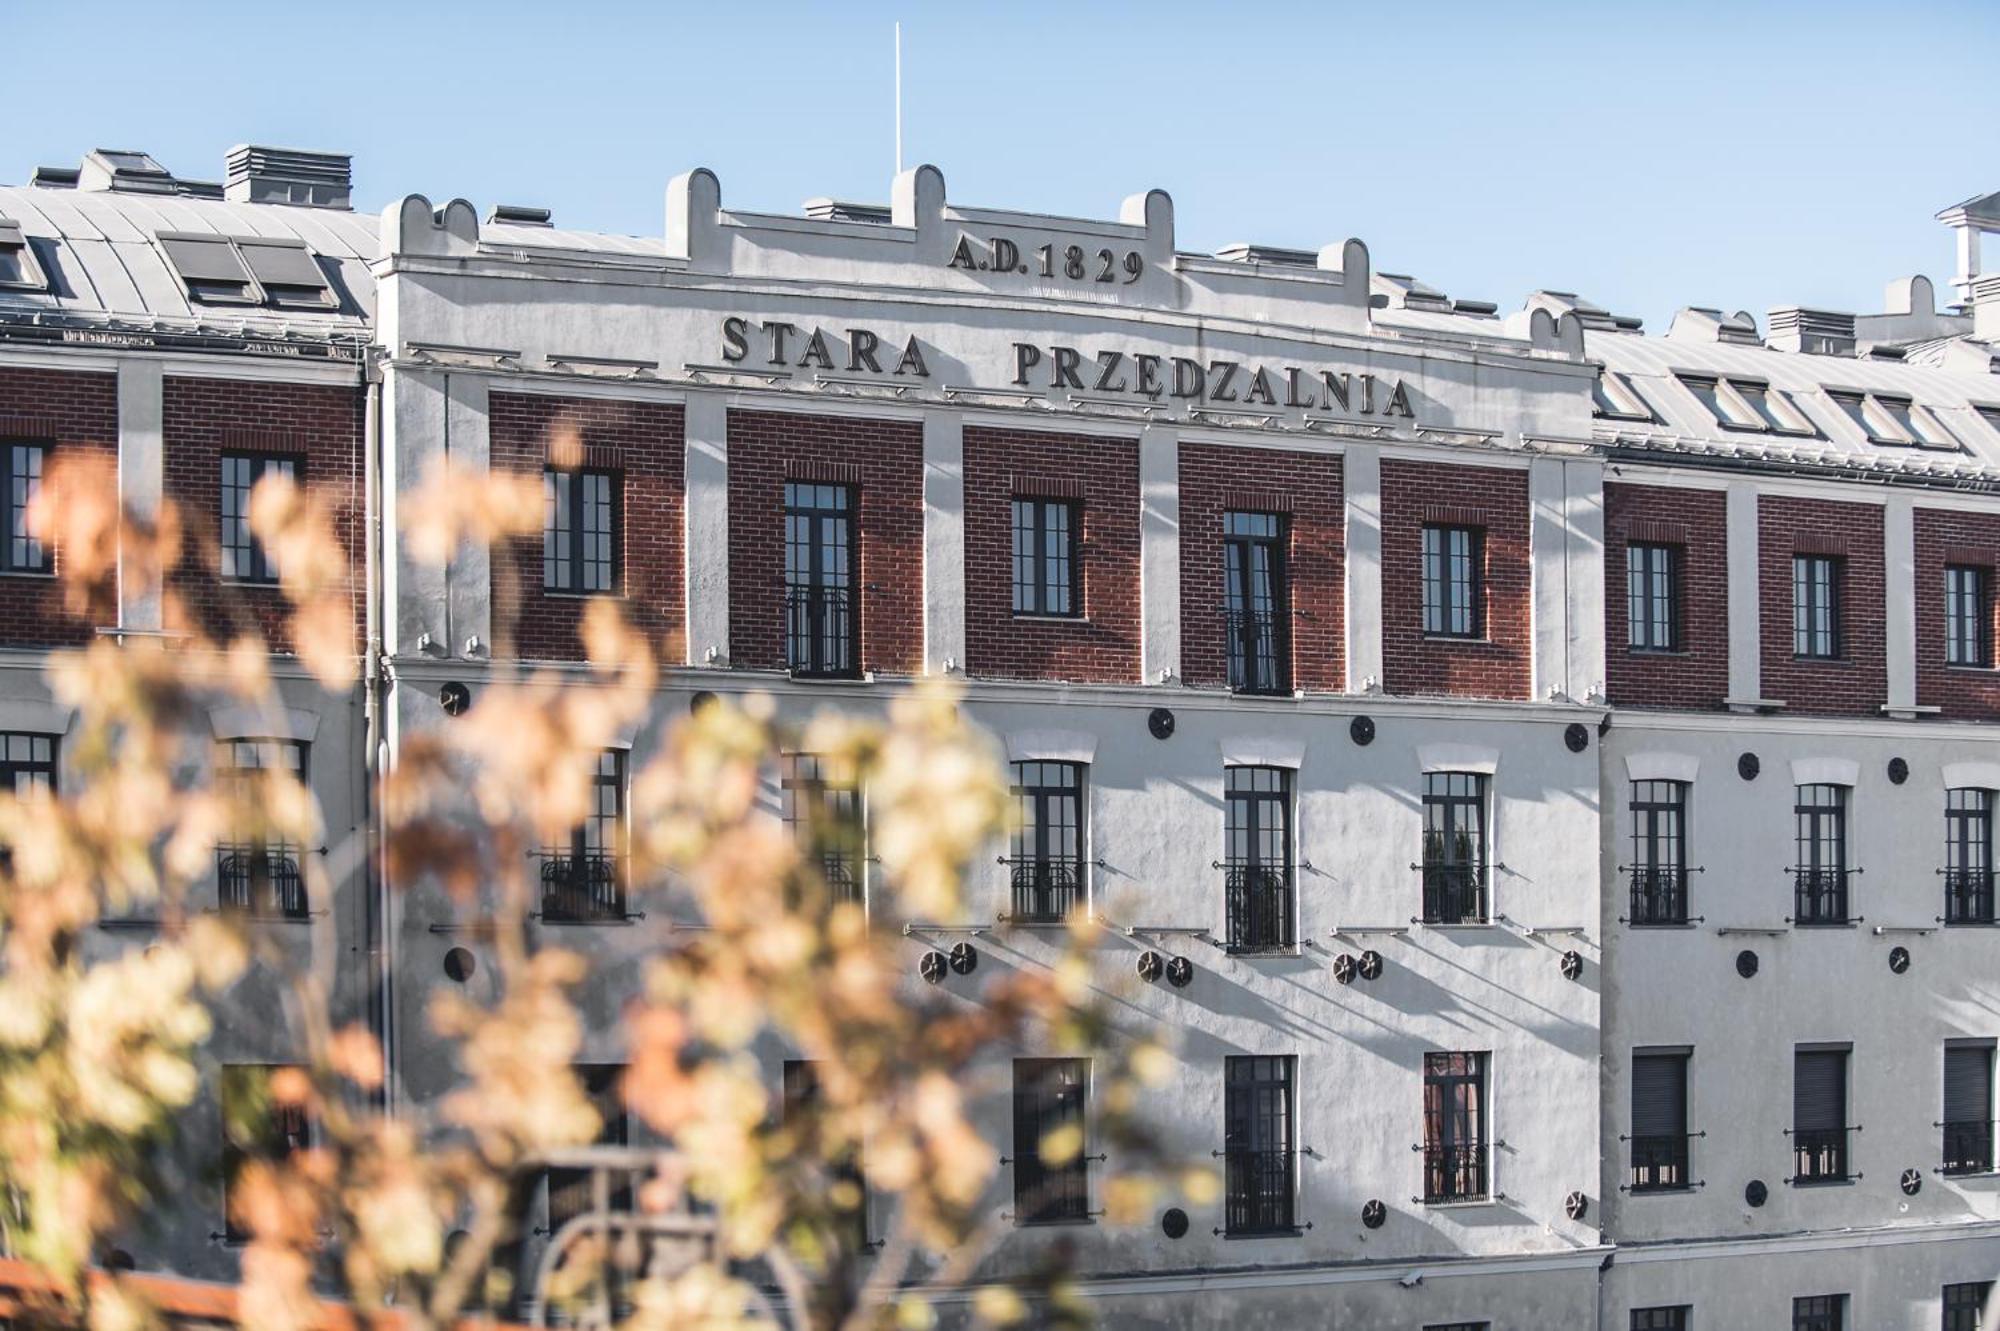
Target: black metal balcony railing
1454 893
1659 895
1820 896
1968 1146
1968 896
1051 1194
819 632
1455 1173
1660 1163
1046 891
1259 900
580 888
261 881
1256 651
1819 1155
1259 1197
842 877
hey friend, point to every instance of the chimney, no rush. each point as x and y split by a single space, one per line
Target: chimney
1815 332
288 175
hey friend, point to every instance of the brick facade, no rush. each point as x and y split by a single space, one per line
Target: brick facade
884 461
643 443
1856 684
1495 500
1102 645
1307 489
1942 538
1696 676
70 413
319 425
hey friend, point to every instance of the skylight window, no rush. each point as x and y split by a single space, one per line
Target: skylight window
289 274
1614 398
212 270
1748 404
1895 421
19 270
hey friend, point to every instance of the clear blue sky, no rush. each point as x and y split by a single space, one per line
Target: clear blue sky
1647 155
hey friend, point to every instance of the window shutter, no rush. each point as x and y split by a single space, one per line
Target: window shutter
1819 1090
1968 1084
1659 1095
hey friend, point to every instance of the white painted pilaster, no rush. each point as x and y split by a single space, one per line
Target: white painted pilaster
468 439
1746 647
706 468
944 542
1548 555
1583 502
414 596
1160 553
1899 590
141 482
1361 474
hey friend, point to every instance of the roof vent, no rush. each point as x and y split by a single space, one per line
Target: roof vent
54 177
1400 291
1692 323
834 210
518 214
1590 315
124 170
288 175
1244 252
1816 332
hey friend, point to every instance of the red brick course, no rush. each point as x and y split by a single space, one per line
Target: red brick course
1857 684
1695 678
1307 489
1943 538
884 460
1495 500
643 443
72 413
320 425
1100 647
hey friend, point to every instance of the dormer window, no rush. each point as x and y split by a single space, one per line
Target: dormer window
1749 405
289 274
253 270
1614 399
211 270
19 270
1894 421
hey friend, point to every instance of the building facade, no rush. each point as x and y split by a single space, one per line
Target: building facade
1540 773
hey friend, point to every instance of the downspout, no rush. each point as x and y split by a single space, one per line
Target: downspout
375 750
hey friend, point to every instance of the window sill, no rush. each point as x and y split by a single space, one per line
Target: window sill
33 574
864 677
1460 1203
1295 1232
1292 951
609 922
551 594
1023 617
1459 924
1843 662
1661 924
1970 1174
1676 1190
1459 640
1076 1223
1970 924
1826 924
1667 653
1963 669
1850 1181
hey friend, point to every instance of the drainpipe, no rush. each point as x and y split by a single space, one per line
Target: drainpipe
375 750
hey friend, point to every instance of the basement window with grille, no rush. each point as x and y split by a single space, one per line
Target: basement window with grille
1748 405
19 269
1896 422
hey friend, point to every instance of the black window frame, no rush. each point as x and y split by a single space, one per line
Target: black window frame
1653 596
1455 820
259 878
570 528
1819 1312
1659 869
244 559
822 638
1457 1123
1663 1317
1660 1141
1966 1128
1258 808
29 757
1260 1145
827 815
1968 616
1453 577
1050 1093
1968 856
1820 871
1818 603
1821 1098
1048 572
569 1190
583 880
800 1096
280 1132
1047 871
1256 601
26 462
1963 1304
